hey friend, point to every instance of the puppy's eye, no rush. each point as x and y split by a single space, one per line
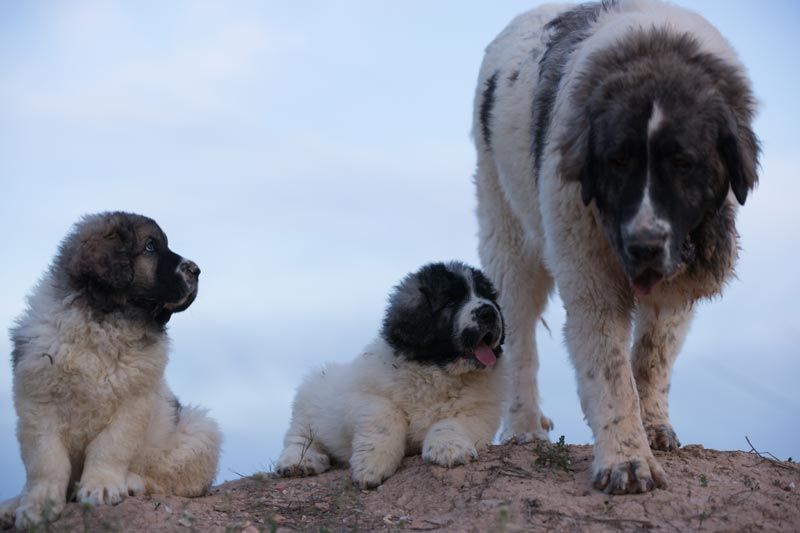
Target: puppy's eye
150 247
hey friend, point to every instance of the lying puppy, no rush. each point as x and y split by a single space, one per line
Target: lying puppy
89 357
428 381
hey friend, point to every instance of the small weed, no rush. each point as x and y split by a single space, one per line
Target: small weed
503 516
703 480
776 483
705 515
553 455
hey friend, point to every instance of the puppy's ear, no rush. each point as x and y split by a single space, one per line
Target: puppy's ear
738 147
406 329
102 257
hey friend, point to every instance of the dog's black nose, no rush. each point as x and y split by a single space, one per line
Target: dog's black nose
190 267
485 313
646 247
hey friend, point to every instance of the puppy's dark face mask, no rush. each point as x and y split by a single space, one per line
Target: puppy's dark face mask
445 315
122 261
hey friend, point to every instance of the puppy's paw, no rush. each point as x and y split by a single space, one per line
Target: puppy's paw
661 436
369 470
628 475
449 451
298 461
102 490
135 484
40 504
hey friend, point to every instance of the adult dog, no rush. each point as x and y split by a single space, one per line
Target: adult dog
89 358
614 142
428 381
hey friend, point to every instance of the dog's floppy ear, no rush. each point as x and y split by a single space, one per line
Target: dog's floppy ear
738 147
406 328
575 147
101 256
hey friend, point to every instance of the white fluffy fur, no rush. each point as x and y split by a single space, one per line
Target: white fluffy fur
373 411
533 234
93 407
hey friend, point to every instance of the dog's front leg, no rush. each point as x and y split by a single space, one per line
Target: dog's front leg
379 440
109 454
598 336
450 442
47 467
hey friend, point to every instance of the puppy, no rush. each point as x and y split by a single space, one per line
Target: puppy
430 381
88 367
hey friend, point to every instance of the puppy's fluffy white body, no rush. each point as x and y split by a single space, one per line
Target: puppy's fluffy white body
405 406
390 402
95 411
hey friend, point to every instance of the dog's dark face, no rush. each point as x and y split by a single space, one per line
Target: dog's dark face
663 145
122 261
445 314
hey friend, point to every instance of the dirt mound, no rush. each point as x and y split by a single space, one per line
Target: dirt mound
510 488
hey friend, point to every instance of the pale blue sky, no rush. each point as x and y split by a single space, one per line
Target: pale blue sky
307 155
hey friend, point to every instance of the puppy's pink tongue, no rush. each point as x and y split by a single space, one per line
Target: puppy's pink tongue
485 355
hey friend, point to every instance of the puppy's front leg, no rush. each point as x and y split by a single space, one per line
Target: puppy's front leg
597 335
47 467
109 455
379 440
449 443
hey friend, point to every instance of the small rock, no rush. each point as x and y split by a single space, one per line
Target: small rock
278 519
248 527
167 508
790 487
322 506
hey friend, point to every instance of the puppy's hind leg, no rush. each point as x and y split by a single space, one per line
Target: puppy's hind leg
302 453
185 463
379 441
515 266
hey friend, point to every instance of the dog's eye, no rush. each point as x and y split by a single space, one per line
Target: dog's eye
150 247
682 163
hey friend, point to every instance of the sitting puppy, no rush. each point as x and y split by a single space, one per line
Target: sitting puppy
89 357
428 381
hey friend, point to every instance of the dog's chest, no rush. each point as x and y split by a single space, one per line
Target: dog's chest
92 367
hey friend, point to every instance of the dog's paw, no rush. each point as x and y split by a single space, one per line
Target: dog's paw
102 491
449 452
524 429
662 437
299 461
370 470
7 510
135 484
40 504
629 475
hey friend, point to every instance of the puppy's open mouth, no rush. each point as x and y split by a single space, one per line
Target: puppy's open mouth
482 354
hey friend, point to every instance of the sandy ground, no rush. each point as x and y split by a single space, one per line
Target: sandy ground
510 488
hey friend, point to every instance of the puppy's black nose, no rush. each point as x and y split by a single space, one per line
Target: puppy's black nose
485 313
190 267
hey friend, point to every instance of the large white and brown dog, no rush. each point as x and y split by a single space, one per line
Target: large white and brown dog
614 143
96 417
429 382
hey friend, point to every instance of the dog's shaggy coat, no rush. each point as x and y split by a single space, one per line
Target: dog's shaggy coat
614 143
88 363
428 382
